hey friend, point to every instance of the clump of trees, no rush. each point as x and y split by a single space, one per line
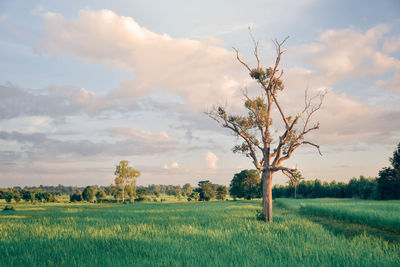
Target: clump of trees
246 184
364 188
207 191
385 186
17 194
389 178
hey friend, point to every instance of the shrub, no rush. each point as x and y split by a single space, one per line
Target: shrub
8 207
260 216
75 197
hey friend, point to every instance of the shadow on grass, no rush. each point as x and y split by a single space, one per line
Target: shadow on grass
350 230
346 228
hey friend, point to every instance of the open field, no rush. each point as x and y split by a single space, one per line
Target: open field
179 234
379 214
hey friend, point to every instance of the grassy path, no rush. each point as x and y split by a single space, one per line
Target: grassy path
186 234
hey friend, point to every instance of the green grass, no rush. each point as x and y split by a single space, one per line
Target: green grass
178 234
379 214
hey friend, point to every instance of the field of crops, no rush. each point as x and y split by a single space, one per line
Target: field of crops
179 234
379 214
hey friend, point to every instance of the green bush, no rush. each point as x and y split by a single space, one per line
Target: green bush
8 207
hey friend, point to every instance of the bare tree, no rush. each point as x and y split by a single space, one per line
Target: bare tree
254 129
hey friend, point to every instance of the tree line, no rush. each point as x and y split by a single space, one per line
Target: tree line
385 186
205 191
245 184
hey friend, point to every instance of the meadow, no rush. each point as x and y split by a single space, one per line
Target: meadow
224 233
379 214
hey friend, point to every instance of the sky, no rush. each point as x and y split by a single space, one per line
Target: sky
86 84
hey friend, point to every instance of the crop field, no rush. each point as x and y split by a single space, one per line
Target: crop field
222 233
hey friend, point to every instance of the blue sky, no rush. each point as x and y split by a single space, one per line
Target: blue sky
85 84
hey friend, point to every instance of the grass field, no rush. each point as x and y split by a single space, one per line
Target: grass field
179 234
379 214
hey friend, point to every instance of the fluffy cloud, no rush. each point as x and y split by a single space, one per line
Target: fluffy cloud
346 54
349 53
173 165
211 160
198 71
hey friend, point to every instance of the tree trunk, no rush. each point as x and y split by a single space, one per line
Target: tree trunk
267 195
123 195
295 186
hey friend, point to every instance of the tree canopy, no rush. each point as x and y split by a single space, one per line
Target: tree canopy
125 177
246 184
389 178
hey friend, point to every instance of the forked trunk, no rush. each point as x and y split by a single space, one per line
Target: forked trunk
267 195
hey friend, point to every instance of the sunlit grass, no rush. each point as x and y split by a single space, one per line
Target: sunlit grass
178 234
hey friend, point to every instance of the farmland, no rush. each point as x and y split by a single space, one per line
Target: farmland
223 233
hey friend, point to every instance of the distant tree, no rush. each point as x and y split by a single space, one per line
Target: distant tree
187 189
46 196
39 196
100 196
389 178
294 180
28 195
142 191
206 190
130 191
114 191
155 189
125 175
195 195
17 196
8 197
75 197
88 193
222 191
246 184
52 197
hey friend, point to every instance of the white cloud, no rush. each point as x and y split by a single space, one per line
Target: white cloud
348 53
211 160
198 71
173 165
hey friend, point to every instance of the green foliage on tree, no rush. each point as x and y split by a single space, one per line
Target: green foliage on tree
246 184
364 188
389 178
125 176
187 189
100 196
195 195
75 197
88 193
28 195
206 190
17 196
8 197
221 191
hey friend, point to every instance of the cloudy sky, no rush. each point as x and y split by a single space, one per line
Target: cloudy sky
85 84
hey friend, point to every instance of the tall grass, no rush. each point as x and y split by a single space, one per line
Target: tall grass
178 234
379 214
